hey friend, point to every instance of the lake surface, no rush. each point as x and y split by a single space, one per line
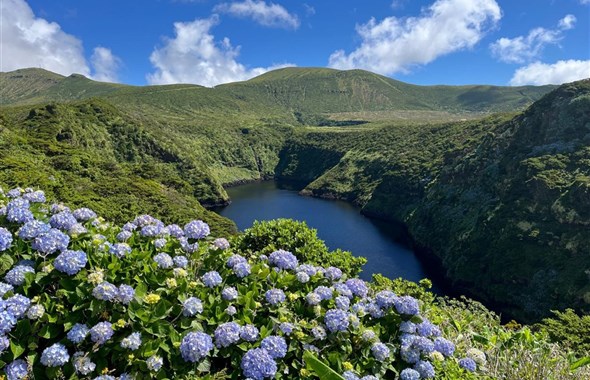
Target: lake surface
339 224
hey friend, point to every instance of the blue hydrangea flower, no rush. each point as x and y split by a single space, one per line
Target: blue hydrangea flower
336 320
192 306
468 364
82 363
444 346
120 249
380 351
324 292
343 290
35 312
358 287
52 241
257 364
31 230
374 309
78 333
427 328
249 333
124 235
407 327
77 229
410 355
84 214
385 299
221 243
425 369
368 336
106 377
55 356
313 299
195 346
17 305
275 296
369 377
144 220
318 333
349 375
13 193
19 215
227 334
164 260
70 262
275 346
229 293
409 374
7 322
308 269
342 303
4 343
63 220
16 276
129 226
125 294
333 273
235 259
423 344
180 261
188 247
242 269
407 305
101 332
58 207
105 291
302 277
231 310
212 279
132 342
37 196
154 363
159 243
283 260
175 230
5 239
17 370
196 229
151 230
287 328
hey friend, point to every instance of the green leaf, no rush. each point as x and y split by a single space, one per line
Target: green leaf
580 363
321 370
16 348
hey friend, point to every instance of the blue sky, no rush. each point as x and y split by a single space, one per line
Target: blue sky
501 42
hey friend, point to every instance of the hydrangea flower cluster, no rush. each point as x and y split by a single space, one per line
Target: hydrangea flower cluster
183 296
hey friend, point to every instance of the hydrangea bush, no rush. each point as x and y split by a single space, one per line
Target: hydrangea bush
82 298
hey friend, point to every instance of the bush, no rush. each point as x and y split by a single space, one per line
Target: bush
85 298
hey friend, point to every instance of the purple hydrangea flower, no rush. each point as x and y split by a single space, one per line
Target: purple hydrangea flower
120 249
195 346
180 261
234 260
274 296
124 235
249 333
444 346
336 320
159 243
302 277
17 370
242 269
212 279
5 239
105 291
257 364
324 292
333 273
125 294
175 231
192 306
342 303
275 346
70 262
287 328
227 334
283 260
101 332
16 276
358 287
78 333
343 290
229 293
221 243
55 356
188 247
313 299
380 351
308 269
164 260
468 364
196 229
409 374
132 342
349 375
84 214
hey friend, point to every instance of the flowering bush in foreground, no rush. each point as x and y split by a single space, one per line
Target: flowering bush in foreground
85 299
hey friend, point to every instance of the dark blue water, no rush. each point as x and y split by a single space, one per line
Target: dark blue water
338 223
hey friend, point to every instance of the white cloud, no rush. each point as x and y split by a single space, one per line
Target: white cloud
526 48
567 22
584 1
539 73
395 44
105 65
193 56
30 41
271 15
